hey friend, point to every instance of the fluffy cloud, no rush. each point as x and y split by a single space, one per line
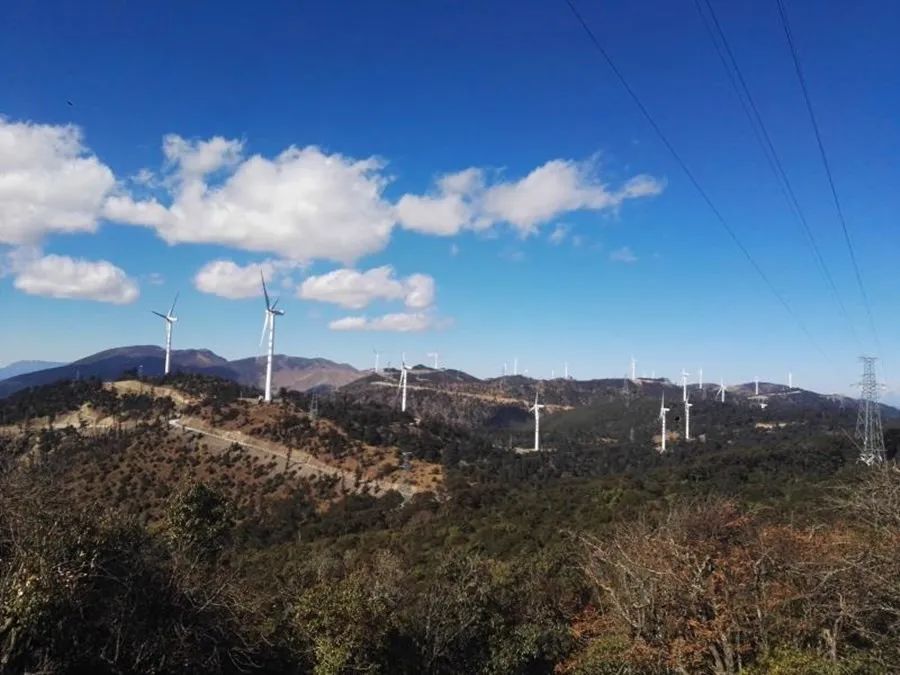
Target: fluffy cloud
195 159
355 290
48 182
57 276
303 204
397 323
306 204
227 279
466 201
623 255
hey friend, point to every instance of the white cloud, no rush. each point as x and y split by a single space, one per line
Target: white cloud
48 182
559 234
465 200
354 289
623 255
195 159
57 276
397 323
303 204
227 279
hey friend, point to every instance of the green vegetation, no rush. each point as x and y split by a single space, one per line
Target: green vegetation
136 548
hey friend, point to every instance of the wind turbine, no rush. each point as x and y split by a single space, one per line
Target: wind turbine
684 377
536 409
269 324
756 385
790 380
566 369
633 369
700 377
721 391
516 366
402 383
687 419
662 418
377 359
504 369
433 355
170 319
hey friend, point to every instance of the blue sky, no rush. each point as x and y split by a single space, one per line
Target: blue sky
484 154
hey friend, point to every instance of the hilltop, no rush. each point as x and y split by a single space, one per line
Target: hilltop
290 372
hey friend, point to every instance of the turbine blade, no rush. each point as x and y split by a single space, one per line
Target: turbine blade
274 304
265 292
265 326
174 302
161 316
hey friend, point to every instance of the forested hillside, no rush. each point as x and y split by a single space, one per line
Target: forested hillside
270 540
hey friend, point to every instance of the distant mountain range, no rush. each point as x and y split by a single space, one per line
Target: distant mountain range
291 372
25 367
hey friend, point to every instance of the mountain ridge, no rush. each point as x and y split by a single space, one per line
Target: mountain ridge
291 372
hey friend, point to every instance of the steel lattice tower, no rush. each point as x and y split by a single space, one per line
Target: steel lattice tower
869 435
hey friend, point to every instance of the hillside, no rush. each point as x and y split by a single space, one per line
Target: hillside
148 360
329 532
24 367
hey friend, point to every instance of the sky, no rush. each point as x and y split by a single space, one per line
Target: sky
462 178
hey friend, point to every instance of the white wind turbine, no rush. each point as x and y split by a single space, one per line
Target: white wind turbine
269 324
566 369
687 419
662 418
684 377
377 360
402 383
756 385
433 355
721 391
170 319
700 377
536 409
633 369
790 380
516 366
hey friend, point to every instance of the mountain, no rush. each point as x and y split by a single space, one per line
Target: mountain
288 371
295 372
25 367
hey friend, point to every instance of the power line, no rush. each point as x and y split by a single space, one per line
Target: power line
764 139
834 194
684 167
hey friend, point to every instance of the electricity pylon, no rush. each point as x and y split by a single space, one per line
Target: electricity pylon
869 434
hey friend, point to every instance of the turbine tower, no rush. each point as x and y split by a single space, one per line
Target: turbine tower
433 355
700 377
869 434
756 385
721 391
402 383
516 366
170 319
790 380
377 360
662 418
687 420
566 369
684 377
536 409
633 369
269 324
